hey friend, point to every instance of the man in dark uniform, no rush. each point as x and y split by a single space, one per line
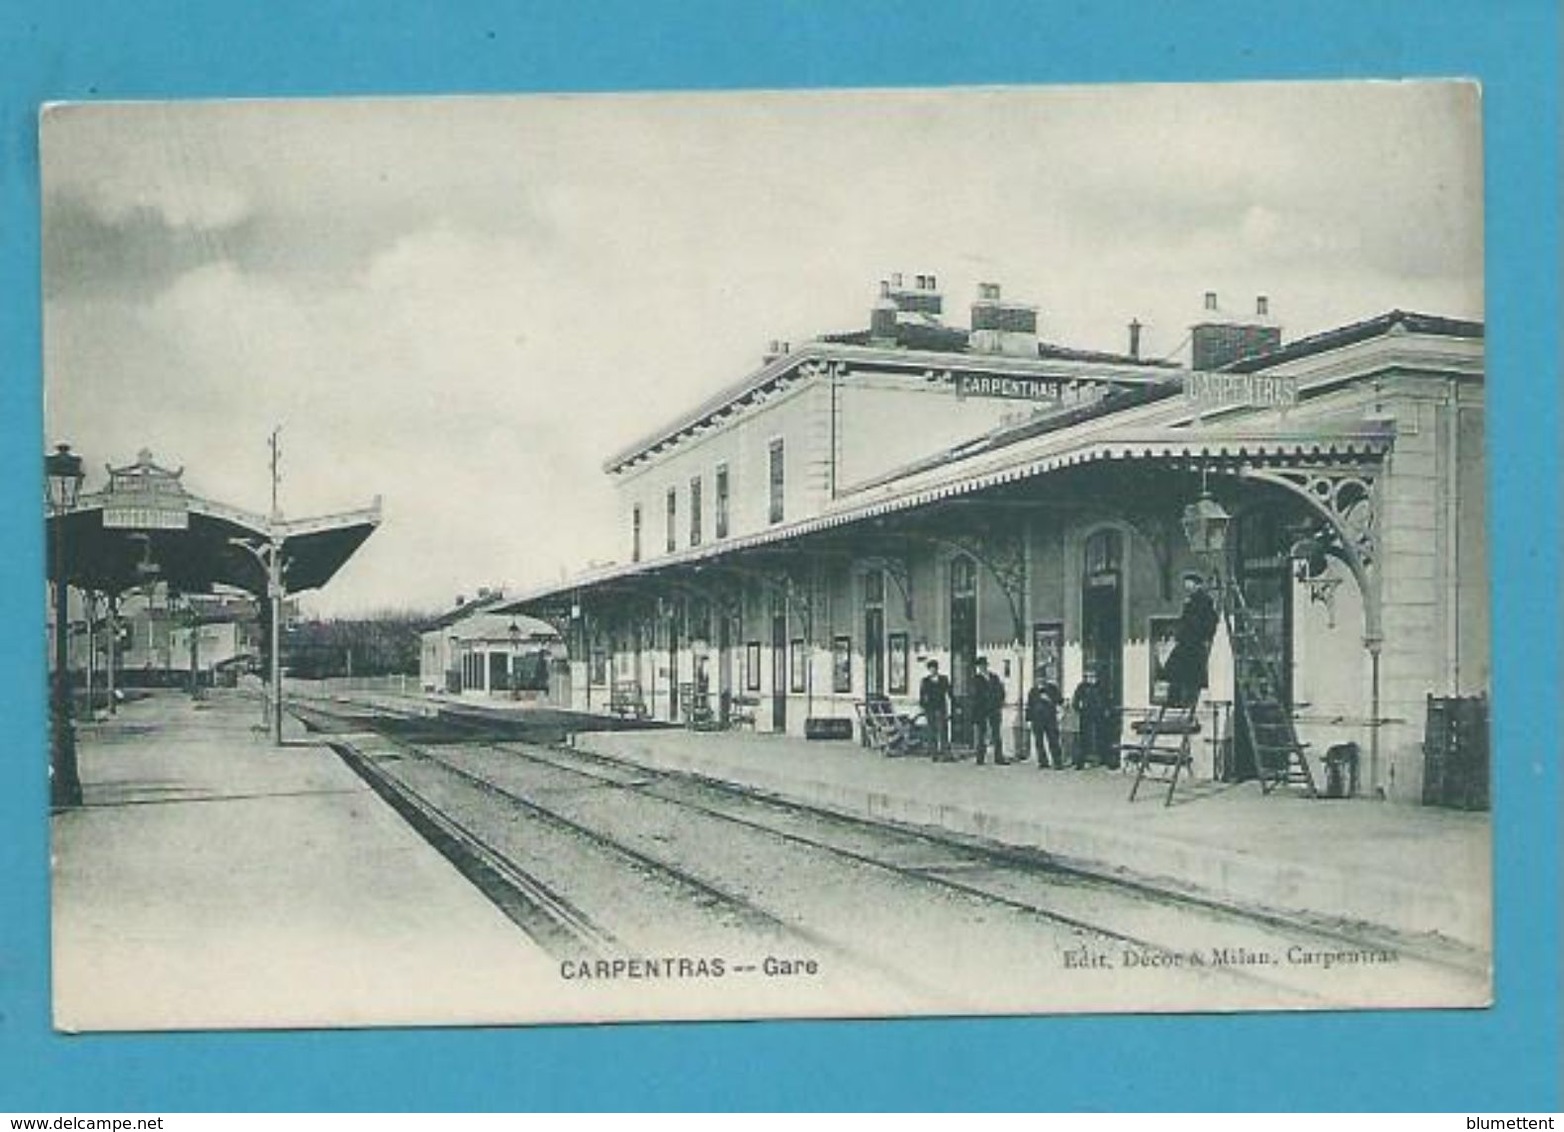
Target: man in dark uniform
1088 704
1187 669
1042 713
988 699
934 698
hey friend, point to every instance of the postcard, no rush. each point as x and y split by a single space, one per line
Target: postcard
961 551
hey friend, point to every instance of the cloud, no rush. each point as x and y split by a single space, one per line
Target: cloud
464 305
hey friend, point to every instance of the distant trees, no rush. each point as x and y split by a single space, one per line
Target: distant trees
379 644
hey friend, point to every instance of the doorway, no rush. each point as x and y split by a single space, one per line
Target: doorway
779 673
1263 569
874 633
963 647
1102 621
674 617
728 633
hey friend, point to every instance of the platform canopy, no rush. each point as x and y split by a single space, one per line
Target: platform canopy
146 527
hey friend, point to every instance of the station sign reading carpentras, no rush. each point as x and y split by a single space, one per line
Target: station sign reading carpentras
1020 389
146 515
1240 390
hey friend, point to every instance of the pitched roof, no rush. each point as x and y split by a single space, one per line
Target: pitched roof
463 610
1340 336
974 472
914 337
495 626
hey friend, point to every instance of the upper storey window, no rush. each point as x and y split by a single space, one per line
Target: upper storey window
721 516
673 521
695 511
778 482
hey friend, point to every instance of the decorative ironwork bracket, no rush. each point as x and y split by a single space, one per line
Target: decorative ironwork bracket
1322 591
1003 555
780 583
1348 501
899 572
1161 533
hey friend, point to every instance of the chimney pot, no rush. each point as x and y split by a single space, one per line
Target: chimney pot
896 280
933 286
1262 305
885 288
1210 300
1135 338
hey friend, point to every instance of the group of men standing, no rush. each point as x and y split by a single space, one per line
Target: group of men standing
1185 672
1043 705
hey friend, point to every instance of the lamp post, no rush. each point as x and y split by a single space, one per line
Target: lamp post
63 477
268 555
514 632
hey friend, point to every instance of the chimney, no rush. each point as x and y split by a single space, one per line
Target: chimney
882 319
1002 326
1135 338
922 297
461 600
1216 342
774 350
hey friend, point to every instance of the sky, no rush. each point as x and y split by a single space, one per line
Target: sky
465 305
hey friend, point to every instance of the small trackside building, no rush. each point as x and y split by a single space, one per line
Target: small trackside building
472 650
865 502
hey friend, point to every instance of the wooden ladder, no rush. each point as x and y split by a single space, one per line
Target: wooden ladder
1280 759
1164 742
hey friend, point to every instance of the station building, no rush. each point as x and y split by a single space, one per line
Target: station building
867 501
472 650
160 637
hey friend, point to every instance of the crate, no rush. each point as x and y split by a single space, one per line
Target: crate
1455 753
818 727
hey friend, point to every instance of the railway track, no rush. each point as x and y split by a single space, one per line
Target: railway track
694 916
563 788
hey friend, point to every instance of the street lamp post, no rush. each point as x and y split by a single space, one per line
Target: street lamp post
111 602
269 556
63 476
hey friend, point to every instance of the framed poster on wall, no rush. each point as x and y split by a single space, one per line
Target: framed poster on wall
1161 634
897 645
752 666
841 664
1048 653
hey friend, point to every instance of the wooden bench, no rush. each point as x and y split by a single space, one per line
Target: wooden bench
741 711
625 701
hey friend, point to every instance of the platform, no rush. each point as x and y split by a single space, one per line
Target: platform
1410 869
212 880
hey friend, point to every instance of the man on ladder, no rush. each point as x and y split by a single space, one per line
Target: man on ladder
1187 670
1165 736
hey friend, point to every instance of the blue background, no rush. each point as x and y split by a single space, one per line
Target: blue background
1504 1058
